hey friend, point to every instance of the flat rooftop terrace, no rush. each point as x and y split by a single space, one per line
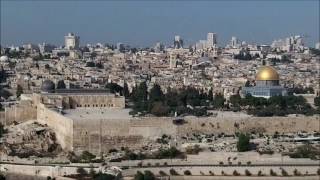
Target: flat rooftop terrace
97 113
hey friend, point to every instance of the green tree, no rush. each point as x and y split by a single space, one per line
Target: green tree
139 176
247 84
47 66
218 101
140 97
2 130
87 156
81 171
159 109
156 94
148 175
90 64
19 90
115 88
235 100
99 65
243 143
210 95
126 90
317 101
61 85
3 75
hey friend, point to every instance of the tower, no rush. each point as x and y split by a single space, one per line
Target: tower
178 42
71 41
211 40
234 41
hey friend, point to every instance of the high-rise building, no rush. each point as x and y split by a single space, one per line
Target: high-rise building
158 47
234 41
71 41
317 45
178 42
44 48
211 39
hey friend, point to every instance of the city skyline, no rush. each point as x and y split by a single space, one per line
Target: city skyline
247 20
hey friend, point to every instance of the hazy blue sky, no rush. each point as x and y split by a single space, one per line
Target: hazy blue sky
144 23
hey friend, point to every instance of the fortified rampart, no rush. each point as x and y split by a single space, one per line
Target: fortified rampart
62 126
98 129
19 113
99 136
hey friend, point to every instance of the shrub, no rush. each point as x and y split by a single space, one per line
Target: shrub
193 150
211 173
318 171
81 171
101 176
305 151
113 150
173 172
221 163
247 172
260 173
162 173
284 172
235 173
243 143
223 173
272 173
187 173
249 163
148 175
87 156
169 153
139 176
297 173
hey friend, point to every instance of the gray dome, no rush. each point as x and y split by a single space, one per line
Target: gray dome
47 86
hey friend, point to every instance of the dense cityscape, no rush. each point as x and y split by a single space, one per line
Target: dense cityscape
166 101
180 110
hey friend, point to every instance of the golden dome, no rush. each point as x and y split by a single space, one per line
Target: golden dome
267 73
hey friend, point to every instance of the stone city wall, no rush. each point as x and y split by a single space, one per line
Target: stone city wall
99 136
62 125
19 113
268 125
